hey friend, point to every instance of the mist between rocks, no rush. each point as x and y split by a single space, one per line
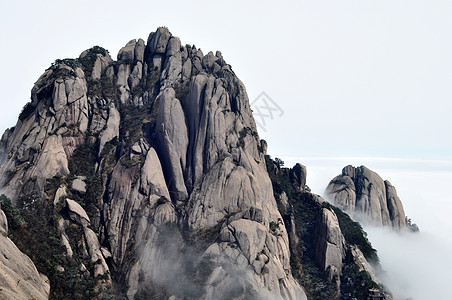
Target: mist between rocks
415 266
169 268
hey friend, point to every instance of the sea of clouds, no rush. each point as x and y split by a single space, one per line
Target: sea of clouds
416 266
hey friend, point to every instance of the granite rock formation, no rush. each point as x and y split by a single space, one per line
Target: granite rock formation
144 178
145 162
365 196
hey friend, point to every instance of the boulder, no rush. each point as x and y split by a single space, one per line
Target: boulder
152 180
363 264
77 213
139 50
250 237
173 46
59 194
51 161
164 214
364 195
127 53
158 41
94 249
395 207
298 176
112 129
79 185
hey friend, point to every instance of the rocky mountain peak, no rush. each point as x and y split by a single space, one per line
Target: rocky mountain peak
148 171
144 177
367 197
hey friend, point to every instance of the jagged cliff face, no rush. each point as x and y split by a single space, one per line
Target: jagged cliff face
365 196
331 255
144 161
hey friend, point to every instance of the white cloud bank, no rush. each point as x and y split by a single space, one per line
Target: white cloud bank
417 266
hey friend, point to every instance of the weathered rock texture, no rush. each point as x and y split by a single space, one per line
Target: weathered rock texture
19 278
298 175
323 240
148 159
330 246
367 198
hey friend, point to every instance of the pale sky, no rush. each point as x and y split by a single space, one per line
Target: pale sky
366 78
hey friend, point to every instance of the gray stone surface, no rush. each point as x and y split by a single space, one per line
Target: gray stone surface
363 264
298 175
3 224
100 65
204 171
171 131
79 185
367 198
127 53
152 180
329 246
112 129
78 214
158 41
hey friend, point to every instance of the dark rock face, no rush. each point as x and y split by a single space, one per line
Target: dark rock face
366 197
298 175
166 145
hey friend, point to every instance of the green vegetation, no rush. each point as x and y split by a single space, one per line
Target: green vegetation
153 82
273 226
106 88
90 58
83 160
70 62
355 284
15 219
354 234
244 132
306 211
33 222
202 238
279 162
82 163
26 111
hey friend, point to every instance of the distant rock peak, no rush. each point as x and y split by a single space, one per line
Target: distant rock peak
368 198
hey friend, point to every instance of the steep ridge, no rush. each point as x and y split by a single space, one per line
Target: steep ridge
146 171
331 255
368 198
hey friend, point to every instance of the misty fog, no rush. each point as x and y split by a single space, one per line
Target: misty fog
417 266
